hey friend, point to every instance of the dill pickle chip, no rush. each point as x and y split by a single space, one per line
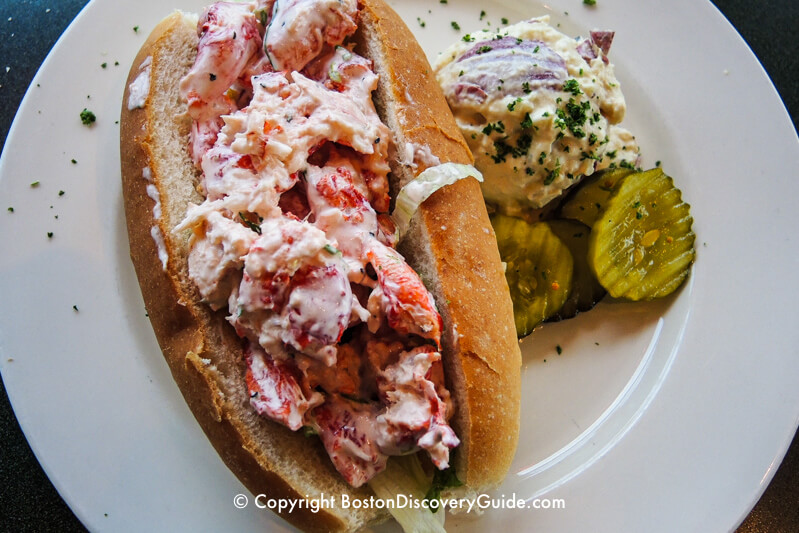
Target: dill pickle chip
586 290
589 198
642 246
538 269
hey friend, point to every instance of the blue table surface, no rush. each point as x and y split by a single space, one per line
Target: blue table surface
28 501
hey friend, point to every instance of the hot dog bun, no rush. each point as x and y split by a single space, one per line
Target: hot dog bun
450 243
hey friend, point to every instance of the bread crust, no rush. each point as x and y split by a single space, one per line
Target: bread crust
202 350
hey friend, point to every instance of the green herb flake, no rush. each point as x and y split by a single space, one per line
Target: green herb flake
527 122
571 86
135 29
421 22
49 234
467 38
589 2
497 126
558 349
455 25
10 209
34 184
505 21
512 105
104 65
552 175
61 193
482 15
87 117
75 308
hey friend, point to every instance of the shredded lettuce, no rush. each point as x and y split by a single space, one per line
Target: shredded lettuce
423 186
405 483
442 480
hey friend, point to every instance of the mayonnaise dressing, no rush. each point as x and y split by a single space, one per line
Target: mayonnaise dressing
139 88
539 110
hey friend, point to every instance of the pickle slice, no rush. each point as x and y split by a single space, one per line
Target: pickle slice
642 246
586 290
538 269
590 198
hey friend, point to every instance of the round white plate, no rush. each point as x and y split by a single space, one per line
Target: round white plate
666 416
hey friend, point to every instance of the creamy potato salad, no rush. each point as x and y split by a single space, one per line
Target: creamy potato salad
539 109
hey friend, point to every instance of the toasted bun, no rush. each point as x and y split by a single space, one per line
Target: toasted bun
451 244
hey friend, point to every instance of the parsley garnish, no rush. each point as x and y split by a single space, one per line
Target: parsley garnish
571 86
573 117
527 123
87 117
503 149
455 25
498 127
552 175
512 105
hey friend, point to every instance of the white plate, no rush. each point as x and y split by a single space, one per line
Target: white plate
669 416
